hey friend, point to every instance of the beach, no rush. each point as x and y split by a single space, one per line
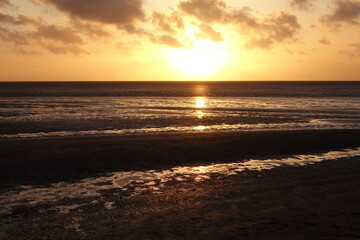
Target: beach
314 201
187 160
43 161
179 120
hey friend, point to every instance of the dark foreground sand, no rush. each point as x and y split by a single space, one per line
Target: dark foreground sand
53 160
314 202
319 201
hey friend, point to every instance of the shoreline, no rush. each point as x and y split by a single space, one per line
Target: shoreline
45 161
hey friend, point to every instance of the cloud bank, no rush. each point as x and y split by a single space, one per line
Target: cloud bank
95 20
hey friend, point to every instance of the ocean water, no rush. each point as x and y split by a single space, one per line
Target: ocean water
42 110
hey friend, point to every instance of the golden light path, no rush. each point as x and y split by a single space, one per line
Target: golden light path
200 103
200 128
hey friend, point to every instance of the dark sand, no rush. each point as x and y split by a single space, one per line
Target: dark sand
319 201
53 160
314 202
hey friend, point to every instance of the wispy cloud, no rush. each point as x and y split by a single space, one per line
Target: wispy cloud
345 12
324 41
302 4
4 3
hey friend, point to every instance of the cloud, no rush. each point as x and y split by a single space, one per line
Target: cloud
133 29
58 39
355 48
54 38
92 30
23 51
243 17
96 19
168 29
353 52
19 20
266 31
4 18
302 4
4 3
324 41
169 41
64 49
205 10
208 32
282 26
36 33
346 11
261 31
13 37
117 12
57 33
127 48
43 30
168 23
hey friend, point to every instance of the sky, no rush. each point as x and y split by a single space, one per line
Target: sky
140 40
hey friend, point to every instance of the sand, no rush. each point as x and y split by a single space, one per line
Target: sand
313 202
318 201
52 160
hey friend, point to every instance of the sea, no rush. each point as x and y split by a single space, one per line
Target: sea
80 109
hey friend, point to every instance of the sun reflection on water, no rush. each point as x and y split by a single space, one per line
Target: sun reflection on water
201 169
200 102
200 128
200 114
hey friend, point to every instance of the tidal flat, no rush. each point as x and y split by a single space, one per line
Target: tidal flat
247 185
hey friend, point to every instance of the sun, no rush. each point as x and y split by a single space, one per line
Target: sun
203 58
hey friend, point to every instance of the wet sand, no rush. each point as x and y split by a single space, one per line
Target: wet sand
43 161
312 202
319 201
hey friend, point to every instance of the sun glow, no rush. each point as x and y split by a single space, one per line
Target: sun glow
204 58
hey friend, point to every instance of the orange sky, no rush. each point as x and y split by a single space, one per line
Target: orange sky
113 40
